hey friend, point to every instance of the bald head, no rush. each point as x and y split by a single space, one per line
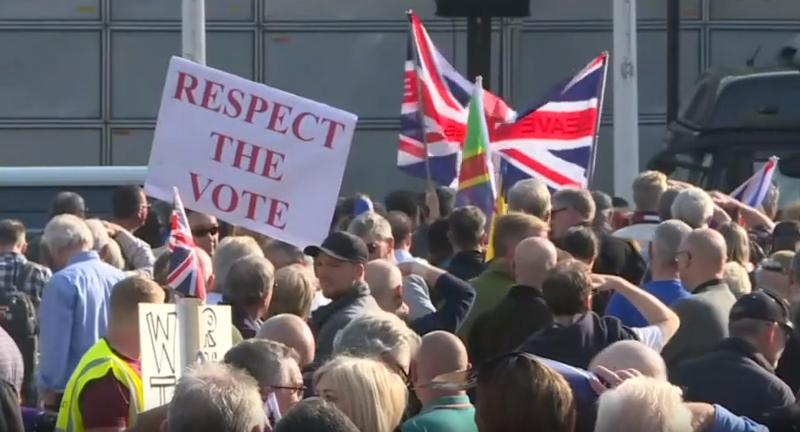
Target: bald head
631 355
291 331
385 282
702 257
533 257
439 352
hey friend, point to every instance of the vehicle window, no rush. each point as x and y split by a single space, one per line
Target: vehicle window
692 167
768 102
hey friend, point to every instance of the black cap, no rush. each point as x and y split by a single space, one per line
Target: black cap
343 246
764 306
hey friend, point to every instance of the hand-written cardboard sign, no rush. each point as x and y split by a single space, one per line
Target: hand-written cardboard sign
175 337
249 154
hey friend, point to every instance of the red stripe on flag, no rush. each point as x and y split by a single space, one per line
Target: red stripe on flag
411 149
473 167
550 125
426 58
540 168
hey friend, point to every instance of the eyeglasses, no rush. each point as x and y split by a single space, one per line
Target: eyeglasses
298 390
202 232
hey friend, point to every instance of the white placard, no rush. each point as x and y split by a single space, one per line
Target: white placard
161 362
173 338
249 154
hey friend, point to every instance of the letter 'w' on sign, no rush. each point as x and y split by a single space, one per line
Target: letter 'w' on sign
161 359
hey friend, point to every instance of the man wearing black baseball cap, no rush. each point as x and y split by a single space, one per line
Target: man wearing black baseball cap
740 373
340 264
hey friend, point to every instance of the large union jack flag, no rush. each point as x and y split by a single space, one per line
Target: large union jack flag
445 95
554 140
185 273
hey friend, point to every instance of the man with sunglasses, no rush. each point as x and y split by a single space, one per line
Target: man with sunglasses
205 231
739 373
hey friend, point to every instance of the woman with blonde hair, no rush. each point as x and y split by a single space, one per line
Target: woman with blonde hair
370 394
738 265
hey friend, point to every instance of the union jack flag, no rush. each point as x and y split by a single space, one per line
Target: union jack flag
445 95
185 273
753 191
554 141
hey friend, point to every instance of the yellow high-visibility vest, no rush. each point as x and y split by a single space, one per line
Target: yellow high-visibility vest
96 364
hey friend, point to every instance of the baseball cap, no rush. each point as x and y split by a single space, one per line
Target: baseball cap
764 306
342 246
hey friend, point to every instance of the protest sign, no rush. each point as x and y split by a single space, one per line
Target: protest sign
251 155
161 361
175 337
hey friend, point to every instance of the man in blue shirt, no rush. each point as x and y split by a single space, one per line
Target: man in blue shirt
74 309
666 284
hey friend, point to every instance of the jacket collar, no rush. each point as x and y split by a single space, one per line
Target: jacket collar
83 256
707 286
746 349
322 314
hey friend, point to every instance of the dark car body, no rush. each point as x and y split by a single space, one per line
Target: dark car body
730 126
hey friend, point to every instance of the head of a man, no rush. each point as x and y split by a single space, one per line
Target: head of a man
104 245
667 239
439 353
248 285
282 254
205 231
405 201
643 403
218 397
65 236
647 190
693 206
274 366
230 250
467 230
604 210
567 288
631 355
376 232
12 236
386 284
581 242
295 288
763 319
123 327
402 230
786 236
530 196
774 274
533 258
380 335
293 332
665 203
571 207
68 203
519 392
512 228
315 415
340 263
701 257
129 206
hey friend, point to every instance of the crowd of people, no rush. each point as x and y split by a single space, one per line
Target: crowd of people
573 311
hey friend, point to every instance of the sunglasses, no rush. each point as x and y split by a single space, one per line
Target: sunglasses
202 232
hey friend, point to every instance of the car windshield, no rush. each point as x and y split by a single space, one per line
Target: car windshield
767 101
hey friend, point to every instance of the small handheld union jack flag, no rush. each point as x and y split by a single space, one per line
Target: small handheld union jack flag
185 273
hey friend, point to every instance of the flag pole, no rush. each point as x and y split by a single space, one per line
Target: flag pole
596 137
420 98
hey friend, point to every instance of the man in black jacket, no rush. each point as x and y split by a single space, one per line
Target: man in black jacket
385 280
523 311
739 374
467 234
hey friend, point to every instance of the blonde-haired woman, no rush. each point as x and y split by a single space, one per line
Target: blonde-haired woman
370 394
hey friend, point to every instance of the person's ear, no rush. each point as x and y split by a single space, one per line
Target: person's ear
484 241
390 242
105 253
23 248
